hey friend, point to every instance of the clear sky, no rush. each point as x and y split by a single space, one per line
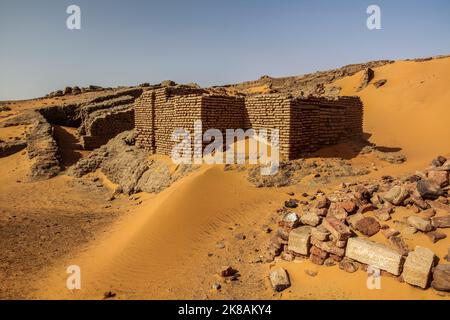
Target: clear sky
210 42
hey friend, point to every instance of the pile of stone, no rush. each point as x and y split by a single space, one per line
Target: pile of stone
335 228
73 91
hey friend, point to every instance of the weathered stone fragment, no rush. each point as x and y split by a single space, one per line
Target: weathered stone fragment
374 254
441 222
368 226
310 219
399 245
320 233
299 240
279 279
441 277
329 247
396 195
439 178
420 223
436 236
348 265
427 190
417 267
337 228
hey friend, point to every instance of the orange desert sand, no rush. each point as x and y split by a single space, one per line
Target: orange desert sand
166 246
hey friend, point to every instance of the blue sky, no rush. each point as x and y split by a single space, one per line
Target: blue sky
210 42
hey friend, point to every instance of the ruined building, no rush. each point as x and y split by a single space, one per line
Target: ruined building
305 124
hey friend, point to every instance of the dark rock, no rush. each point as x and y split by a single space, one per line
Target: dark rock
291 204
436 236
428 191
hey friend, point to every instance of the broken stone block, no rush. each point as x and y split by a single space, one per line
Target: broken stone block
420 223
417 267
337 228
383 214
310 219
323 203
299 240
436 236
279 279
441 222
316 259
353 219
439 178
428 213
428 190
405 228
374 254
396 195
368 226
329 247
348 265
367 208
389 232
349 206
290 220
320 233
438 205
400 245
441 278
319 252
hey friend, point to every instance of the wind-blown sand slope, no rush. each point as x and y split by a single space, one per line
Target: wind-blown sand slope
411 111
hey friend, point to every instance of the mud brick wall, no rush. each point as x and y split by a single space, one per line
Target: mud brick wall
144 114
318 122
222 113
270 111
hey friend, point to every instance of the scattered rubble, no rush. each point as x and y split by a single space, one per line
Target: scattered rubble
279 279
332 228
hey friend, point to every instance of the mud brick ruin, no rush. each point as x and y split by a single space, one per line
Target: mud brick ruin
305 124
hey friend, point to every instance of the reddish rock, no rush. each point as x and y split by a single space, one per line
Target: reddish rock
337 228
316 260
349 265
367 208
319 252
323 203
439 178
349 206
400 245
436 236
439 206
368 226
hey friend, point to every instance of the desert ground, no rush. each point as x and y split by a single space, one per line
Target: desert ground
172 244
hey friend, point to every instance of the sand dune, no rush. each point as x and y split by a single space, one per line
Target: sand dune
411 111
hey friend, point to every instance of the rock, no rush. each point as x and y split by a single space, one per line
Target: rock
240 236
439 206
299 240
439 161
436 236
291 204
367 208
337 228
367 76
329 262
316 259
311 273
420 223
441 278
368 226
76 90
348 265
349 206
310 219
417 267
439 178
428 191
319 252
320 233
353 219
419 202
380 83
396 195
405 228
290 220
227 271
216 286
329 247
399 245
67 90
389 232
286 256
427 214
383 214
323 203
374 254
279 279
441 222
